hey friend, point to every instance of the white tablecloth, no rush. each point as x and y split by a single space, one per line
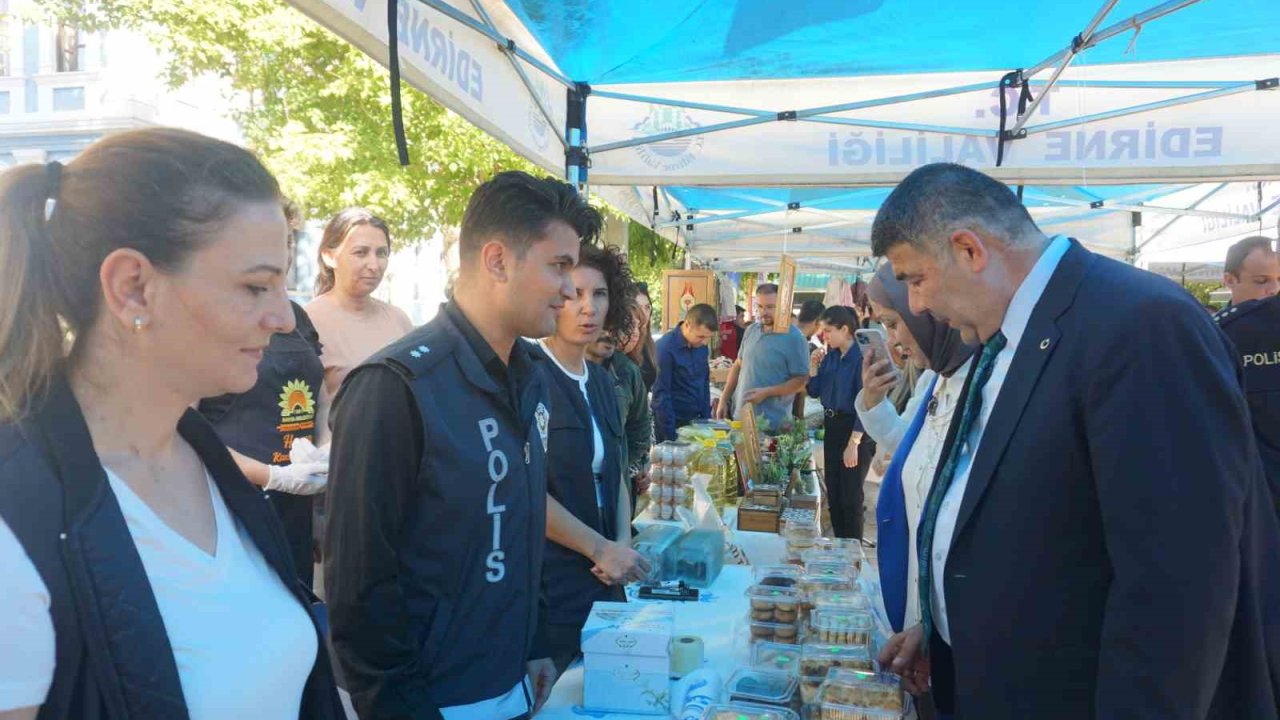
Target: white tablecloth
719 618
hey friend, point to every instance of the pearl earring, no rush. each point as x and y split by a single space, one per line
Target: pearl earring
138 323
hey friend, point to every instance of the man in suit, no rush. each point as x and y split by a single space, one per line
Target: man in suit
1083 552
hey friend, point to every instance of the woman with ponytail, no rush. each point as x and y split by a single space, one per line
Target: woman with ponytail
353 325
143 276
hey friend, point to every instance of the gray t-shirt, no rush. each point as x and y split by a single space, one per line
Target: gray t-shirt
770 359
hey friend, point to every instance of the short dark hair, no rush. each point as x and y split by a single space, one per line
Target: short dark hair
767 289
1237 253
937 199
621 318
810 311
704 316
841 317
516 208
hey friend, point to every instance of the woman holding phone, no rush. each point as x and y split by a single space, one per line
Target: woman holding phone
836 380
915 437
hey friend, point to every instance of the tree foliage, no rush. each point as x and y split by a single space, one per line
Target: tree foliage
316 109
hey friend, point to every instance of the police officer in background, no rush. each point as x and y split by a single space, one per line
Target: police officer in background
438 485
1252 273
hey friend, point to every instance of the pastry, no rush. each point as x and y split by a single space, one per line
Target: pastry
762 615
764 632
785 633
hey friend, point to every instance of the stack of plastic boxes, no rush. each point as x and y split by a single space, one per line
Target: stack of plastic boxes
657 544
669 478
860 695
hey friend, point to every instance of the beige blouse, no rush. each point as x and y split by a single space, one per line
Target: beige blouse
350 339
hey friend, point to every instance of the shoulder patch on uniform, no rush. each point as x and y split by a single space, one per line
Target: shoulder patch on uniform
1235 312
417 352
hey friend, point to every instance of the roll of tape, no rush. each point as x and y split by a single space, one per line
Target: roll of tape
686 655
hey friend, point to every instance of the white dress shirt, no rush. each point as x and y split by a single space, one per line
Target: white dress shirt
1014 325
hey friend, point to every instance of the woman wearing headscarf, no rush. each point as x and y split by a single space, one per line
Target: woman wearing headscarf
915 437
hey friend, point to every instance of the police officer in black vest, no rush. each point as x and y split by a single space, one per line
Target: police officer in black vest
437 500
1252 273
261 426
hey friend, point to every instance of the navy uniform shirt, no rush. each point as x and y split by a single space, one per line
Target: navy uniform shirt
1254 329
839 380
683 390
437 524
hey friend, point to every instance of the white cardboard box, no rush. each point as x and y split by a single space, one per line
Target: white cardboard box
626 658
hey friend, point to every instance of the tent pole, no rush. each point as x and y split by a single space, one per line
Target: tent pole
457 15
1234 89
1134 224
1266 210
1169 224
509 52
1121 27
1127 207
576 156
1077 44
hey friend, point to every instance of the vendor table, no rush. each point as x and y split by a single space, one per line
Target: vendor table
719 618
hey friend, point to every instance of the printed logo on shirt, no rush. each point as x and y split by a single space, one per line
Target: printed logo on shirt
495 563
297 416
544 420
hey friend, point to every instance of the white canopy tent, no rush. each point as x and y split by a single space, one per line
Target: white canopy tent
740 131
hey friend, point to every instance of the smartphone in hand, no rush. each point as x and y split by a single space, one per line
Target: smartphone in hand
873 342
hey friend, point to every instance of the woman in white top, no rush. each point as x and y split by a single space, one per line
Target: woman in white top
159 255
589 556
915 437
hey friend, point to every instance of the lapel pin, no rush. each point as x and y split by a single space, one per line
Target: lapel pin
1044 344
415 354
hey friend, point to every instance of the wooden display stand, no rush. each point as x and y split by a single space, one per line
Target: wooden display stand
677 285
786 295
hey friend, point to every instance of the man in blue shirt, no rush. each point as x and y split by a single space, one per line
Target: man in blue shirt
771 367
683 390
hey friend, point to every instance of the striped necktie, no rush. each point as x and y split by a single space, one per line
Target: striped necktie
959 446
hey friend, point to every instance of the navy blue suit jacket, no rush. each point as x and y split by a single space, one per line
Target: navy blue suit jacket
1107 561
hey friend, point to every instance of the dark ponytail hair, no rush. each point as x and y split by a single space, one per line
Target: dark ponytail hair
840 316
336 233
160 191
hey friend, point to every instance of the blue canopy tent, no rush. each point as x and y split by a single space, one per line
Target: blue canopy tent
744 127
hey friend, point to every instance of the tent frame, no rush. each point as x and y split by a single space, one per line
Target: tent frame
578 152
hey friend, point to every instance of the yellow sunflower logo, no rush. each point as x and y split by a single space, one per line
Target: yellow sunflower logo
296 399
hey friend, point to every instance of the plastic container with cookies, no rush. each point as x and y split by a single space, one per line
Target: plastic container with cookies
776 657
811 586
841 627
830 568
748 711
774 604
778 575
762 687
854 601
810 688
773 632
848 691
817 660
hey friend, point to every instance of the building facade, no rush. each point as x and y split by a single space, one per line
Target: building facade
61 89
